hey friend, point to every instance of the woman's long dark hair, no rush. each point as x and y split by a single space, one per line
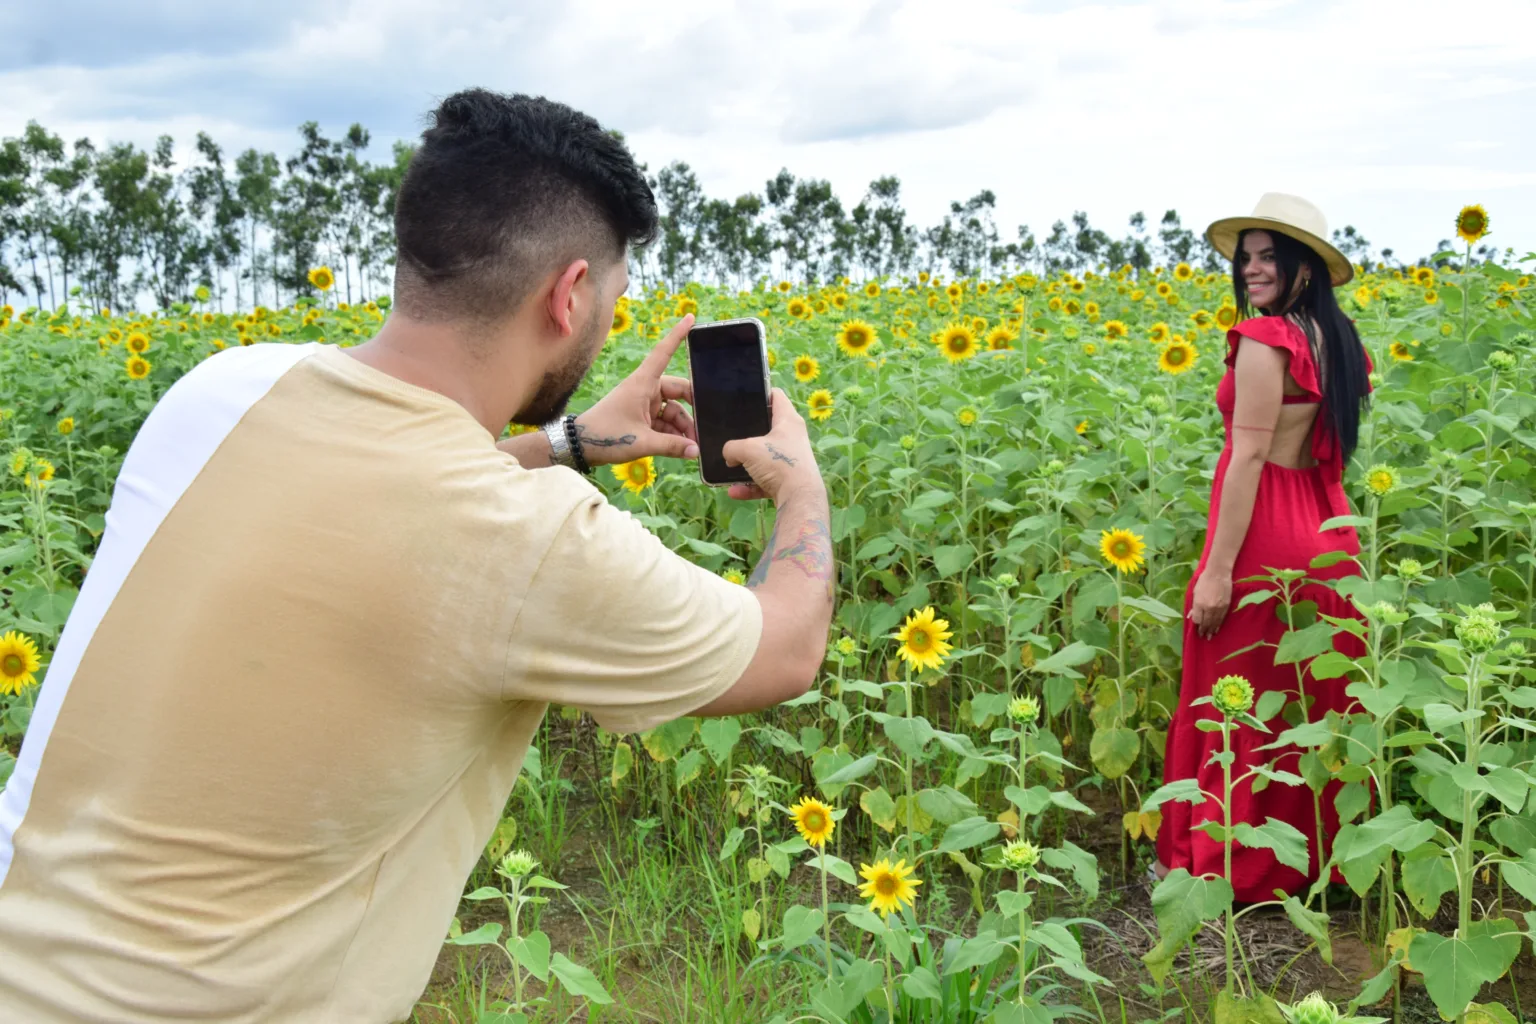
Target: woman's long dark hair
1339 354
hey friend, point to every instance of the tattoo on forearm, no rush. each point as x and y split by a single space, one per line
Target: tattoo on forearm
811 552
760 573
779 456
585 437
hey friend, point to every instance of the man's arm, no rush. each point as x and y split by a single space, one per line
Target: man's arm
796 579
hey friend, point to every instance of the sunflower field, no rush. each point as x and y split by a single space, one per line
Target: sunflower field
955 824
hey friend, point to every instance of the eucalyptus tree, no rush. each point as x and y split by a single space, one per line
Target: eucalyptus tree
257 181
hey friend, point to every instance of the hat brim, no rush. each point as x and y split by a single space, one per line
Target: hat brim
1223 238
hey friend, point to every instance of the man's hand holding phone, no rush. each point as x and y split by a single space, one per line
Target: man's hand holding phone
781 463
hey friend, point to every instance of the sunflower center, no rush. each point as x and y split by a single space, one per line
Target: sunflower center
637 473
919 640
1120 549
814 821
957 344
11 665
885 885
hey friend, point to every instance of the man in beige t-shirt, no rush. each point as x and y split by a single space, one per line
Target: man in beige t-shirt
329 610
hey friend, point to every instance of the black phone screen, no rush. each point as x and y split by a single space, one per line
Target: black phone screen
729 397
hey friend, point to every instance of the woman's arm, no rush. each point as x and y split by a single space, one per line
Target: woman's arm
1260 381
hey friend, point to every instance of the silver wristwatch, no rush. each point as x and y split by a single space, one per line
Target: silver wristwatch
559 444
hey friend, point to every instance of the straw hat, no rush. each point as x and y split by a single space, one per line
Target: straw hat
1289 215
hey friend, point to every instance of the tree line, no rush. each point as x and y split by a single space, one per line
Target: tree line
108 225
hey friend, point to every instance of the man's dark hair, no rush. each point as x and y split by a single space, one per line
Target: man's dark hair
503 190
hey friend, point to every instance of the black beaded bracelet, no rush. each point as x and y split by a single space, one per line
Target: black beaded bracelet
577 455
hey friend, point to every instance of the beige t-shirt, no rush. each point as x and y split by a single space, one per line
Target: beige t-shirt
297 687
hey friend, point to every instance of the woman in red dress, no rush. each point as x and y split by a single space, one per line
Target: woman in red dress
1290 404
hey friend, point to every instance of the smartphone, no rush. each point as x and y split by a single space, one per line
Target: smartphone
732 396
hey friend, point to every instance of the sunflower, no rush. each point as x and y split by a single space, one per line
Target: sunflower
322 278
784 287
67 425
138 343
807 369
923 640
18 660
813 820
1472 223
1381 479
1202 319
1000 339
1424 276
954 291
623 320
1164 289
1082 428
1091 309
686 304
1137 294
840 300
1178 356
734 576
957 342
888 886
1115 330
856 337
1232 695
1090 349
1226 317
798 308
1073 307
1078 287
773 359
1122 549
820 405
138 368
1430 297
637 475
1183 272
967 416
1054 304
1400 352
872 290
1159 332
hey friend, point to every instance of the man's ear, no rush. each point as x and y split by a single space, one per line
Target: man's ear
562 297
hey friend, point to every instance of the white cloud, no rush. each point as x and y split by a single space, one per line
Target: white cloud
1388 114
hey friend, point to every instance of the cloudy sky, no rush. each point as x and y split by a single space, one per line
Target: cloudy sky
1390 114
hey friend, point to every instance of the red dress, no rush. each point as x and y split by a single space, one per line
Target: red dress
1288 508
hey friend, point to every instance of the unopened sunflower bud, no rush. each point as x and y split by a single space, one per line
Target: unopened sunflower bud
1410 567
1007 580
1479 632
1024 710
908 442
1020 855
1501 360
1314 1009
519 864
1232 695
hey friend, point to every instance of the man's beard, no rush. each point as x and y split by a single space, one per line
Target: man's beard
559 384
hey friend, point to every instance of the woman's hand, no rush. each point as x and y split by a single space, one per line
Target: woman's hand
1212 599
